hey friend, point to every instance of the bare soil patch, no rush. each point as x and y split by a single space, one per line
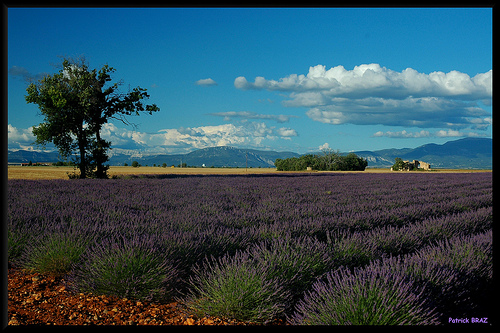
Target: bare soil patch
35 299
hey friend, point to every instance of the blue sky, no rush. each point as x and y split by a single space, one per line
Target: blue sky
284 79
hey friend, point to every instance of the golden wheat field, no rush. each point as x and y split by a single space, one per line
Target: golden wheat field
61 172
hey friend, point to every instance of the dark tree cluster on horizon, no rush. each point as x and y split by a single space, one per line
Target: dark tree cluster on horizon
329 161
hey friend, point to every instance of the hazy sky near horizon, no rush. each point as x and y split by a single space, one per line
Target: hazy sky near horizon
284 79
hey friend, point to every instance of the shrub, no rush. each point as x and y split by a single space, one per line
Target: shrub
275 220
16 244
297 261
331 161
353 250
469 256
470 260
236 287
371 296
455 275
436 282
395 241
55 253
132 268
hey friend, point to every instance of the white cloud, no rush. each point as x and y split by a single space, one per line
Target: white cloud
426 134
286 132
183 139
371 80
324 146
251 115
20 138
20 135
372 94
241 83
206 82
410 112
171 140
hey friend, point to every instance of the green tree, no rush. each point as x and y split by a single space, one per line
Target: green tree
399 164
352 162
135 164
329 161
76 102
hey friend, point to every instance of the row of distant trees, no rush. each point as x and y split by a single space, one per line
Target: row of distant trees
136 164
329 161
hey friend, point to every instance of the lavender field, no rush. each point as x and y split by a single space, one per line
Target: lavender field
324 249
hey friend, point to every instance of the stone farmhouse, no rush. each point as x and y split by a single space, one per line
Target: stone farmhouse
422 165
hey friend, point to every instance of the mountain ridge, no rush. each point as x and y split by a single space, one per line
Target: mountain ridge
467 153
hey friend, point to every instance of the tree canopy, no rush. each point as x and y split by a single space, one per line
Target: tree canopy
76 102
329 161
400 165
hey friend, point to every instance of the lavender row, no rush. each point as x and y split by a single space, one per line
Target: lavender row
351 202
450 279
247 210
161 238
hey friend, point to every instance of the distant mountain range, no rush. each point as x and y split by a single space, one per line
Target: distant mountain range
468 153
223 156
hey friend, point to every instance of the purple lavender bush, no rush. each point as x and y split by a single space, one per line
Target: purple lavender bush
236 287
132 268
469 258
372 296
55 253
353 250
17 241
298 262
160 236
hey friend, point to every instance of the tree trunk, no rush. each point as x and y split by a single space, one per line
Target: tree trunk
99 157
83 159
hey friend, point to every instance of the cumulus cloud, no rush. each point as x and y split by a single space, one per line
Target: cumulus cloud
324 146
171 140
372 94
373 80
286 132
184 139
251 115
411 112
19 138
20 135
206 82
